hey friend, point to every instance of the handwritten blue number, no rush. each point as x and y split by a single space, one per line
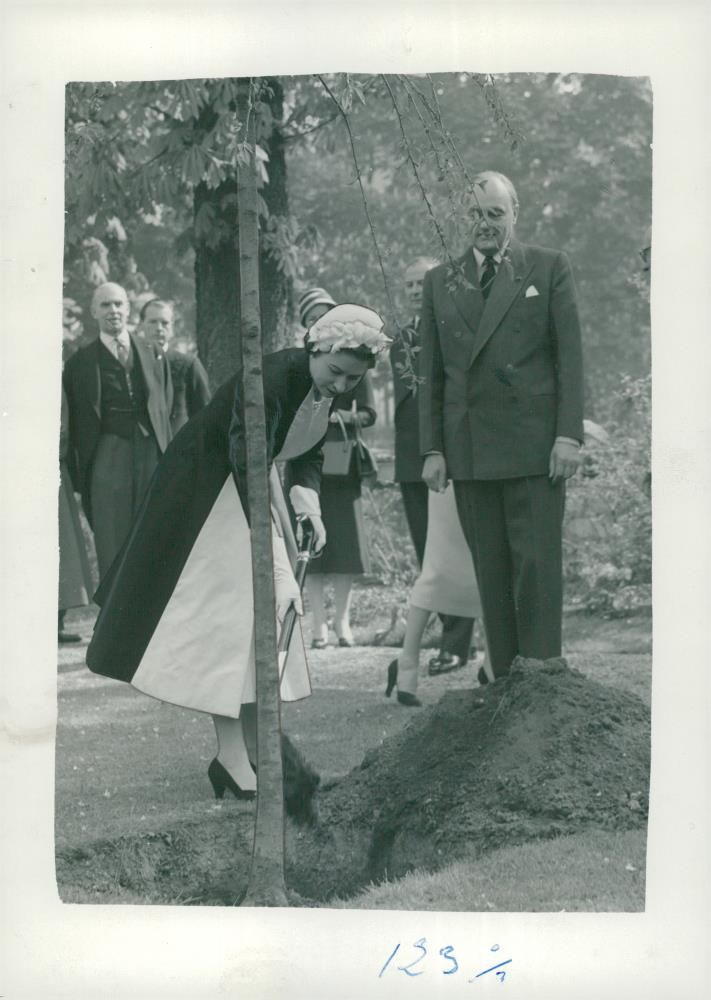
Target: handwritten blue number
448 954
500 975
421 944
389 960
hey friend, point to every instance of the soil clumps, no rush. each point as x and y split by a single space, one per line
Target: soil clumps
543 752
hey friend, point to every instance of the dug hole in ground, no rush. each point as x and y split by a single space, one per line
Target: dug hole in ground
554 749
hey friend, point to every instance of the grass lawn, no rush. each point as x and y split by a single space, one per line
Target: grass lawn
595 871
135 815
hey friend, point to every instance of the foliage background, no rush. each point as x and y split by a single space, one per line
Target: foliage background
582 167
150 203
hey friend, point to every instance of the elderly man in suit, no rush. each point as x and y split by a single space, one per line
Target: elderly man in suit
118 422
501 415
456 631
187 384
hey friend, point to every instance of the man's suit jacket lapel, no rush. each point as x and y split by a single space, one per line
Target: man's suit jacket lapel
155 402
404 388
91 376
145 363
507 286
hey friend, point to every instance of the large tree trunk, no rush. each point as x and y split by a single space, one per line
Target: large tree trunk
266 881
218 317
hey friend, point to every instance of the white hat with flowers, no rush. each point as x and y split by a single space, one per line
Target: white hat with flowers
348 326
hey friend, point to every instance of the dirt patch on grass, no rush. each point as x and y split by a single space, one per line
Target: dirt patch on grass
549 751
203 861
542 753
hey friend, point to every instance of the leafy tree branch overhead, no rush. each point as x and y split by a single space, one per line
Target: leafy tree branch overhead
161 156
137 149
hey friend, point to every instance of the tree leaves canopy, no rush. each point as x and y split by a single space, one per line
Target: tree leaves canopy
578 149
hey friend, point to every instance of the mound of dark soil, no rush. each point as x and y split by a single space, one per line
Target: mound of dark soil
541 753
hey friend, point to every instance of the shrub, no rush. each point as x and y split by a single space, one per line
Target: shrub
392 554
608 527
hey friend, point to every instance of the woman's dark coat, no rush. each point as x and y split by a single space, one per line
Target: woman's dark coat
184 488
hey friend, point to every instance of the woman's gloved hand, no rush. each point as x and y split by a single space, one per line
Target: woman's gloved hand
348 417
286 589
305 502
287 593
319 532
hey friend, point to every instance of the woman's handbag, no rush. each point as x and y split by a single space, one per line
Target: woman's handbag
365 461
338 455
366 466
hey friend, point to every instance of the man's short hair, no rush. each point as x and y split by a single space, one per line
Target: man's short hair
154 302
98 291
490 175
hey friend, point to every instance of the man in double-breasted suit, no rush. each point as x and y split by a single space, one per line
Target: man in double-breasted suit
456 631
501 415
118 422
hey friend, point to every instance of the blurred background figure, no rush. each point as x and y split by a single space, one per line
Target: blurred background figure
75 582
134 281
646 252
456 630
186 381
447 585
118 422
341 504
72 328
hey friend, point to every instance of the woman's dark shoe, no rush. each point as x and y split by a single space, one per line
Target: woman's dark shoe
319 639
221 779
62 634
403 697
345 636
392 678
409 700
68 637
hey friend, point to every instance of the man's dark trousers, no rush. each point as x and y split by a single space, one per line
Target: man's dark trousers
519 570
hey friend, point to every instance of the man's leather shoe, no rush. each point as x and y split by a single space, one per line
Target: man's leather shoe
444 663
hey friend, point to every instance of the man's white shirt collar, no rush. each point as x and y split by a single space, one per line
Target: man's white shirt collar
479 257
108 341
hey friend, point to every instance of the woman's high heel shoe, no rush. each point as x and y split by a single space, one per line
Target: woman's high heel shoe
220 779
404 697
392 678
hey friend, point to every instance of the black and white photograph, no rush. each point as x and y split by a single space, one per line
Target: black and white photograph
351 551
444 279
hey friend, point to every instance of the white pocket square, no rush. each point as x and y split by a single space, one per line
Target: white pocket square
531 291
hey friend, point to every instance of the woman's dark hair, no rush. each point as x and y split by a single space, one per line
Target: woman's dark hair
362 353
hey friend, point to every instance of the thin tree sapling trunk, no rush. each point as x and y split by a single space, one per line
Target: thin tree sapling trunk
266 885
